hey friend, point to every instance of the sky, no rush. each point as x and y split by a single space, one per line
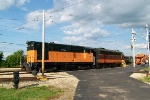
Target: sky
93 23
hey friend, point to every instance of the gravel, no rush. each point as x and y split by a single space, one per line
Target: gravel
63 80
139 76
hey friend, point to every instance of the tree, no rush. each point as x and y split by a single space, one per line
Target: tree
15 59
1 57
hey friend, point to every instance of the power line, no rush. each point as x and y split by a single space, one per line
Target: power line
13 10
13 43
16 25
49 12
140 36
67 6
13 36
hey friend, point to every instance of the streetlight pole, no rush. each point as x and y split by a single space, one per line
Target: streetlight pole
147 38
133 39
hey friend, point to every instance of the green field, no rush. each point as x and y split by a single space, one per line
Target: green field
30 93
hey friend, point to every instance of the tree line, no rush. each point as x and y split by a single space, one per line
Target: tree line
13 60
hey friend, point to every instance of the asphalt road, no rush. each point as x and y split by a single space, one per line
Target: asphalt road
110 84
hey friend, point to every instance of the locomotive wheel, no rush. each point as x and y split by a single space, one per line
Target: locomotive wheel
40 70
108 65
23 68
92 67
98 67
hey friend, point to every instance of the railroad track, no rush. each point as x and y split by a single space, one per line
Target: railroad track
142 71
11 72
7 75
21 79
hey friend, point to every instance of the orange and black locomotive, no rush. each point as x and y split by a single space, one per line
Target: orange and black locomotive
62 56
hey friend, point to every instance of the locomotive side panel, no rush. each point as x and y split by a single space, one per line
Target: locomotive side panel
32 56
109 58
113 58
83 57
56 56
69 53
70 57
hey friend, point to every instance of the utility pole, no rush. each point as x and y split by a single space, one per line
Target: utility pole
20 61
147 38
43 45
133 40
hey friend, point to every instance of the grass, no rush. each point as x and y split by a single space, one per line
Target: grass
146 69
30 93
145 79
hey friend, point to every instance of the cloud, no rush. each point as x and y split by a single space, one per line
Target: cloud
126 14
6 54
5 4
88 33
74 39
73 30
65 18
33 20
21 2
79 40
4 45
139 46
88 22
96 33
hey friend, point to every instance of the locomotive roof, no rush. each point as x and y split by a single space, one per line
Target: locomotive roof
103 49
52 43
71 45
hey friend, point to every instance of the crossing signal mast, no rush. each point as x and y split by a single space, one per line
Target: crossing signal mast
147 40
132 46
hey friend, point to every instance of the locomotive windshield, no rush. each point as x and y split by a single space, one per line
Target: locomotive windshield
30 44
